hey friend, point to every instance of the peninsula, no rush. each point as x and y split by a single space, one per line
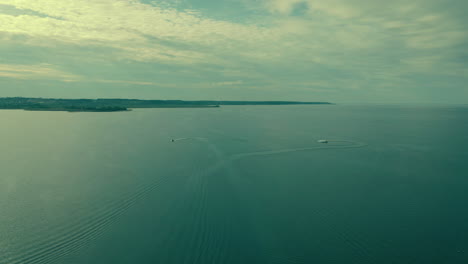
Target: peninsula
112 105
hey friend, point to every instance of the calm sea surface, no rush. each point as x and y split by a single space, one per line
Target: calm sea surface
239 184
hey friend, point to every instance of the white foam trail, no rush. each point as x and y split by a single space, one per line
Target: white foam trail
190 138
354 144
77 236
227 163
223 160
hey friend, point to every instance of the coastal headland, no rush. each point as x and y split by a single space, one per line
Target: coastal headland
114 105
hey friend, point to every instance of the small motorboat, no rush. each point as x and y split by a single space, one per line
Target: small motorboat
322 141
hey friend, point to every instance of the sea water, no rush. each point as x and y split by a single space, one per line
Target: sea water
239 184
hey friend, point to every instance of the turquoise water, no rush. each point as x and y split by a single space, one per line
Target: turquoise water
244 184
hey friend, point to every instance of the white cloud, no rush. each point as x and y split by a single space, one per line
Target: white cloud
125 82
372 41
131 26
34 72
284 7
46 71
142 31
228 83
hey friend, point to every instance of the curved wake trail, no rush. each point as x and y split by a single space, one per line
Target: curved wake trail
219 237
76 234
357 243
354 144
198 234
190 138
211 245
222 158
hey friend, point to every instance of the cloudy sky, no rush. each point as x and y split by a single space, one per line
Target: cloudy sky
319 50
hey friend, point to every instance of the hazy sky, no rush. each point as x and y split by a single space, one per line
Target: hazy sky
317 50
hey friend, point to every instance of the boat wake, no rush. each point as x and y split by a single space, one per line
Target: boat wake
207 230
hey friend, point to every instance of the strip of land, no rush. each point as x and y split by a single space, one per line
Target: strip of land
113 105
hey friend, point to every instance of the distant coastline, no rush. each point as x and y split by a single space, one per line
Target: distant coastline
115 105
